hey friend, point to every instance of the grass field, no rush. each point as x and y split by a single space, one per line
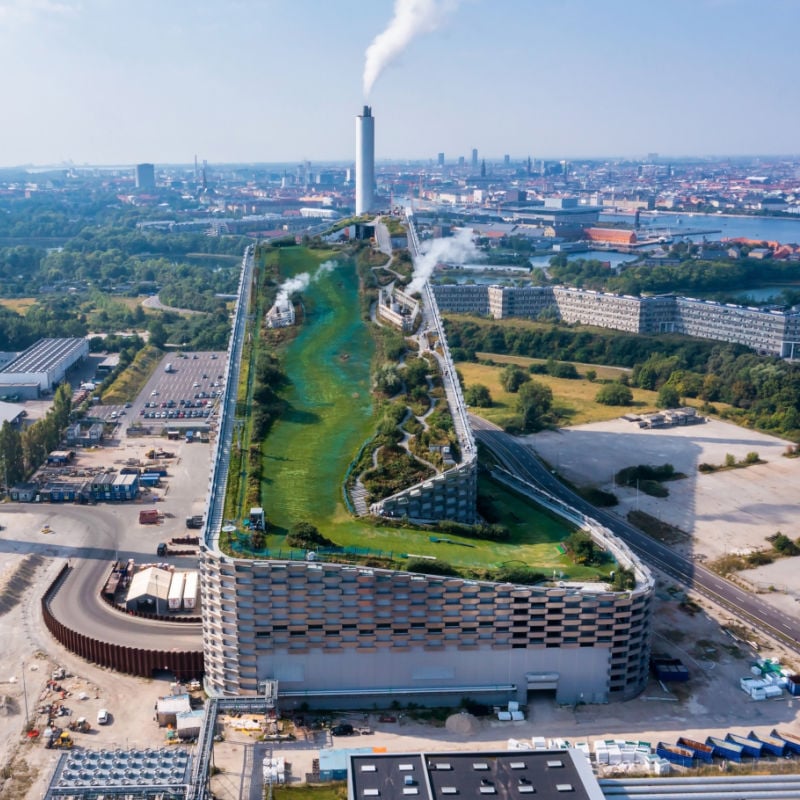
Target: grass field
573 400
330 791
534 538
18 304
128 302
309 449
603 372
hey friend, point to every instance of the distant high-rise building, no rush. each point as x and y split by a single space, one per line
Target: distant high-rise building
461 161
440 159
506 159
474 158
145 176
365 161
483 168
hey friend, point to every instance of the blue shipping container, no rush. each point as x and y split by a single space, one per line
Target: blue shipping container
675 755
749 747
723 749
771 744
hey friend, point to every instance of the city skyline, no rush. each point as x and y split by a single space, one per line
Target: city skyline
102 83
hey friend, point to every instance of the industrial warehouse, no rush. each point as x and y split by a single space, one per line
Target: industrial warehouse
41 367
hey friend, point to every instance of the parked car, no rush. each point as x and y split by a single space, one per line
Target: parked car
103 717
342 729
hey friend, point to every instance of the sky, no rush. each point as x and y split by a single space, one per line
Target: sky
125 81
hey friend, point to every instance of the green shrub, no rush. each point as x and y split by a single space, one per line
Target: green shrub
306 536
430 567
520 574
614 394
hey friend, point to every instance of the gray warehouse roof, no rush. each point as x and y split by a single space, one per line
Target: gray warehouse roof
10 412
44 355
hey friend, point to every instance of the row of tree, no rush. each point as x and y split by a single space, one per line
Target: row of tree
23 452
763 391
690 276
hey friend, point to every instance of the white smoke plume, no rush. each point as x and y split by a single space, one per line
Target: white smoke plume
302 281
411 18
457 249
296 284
324 268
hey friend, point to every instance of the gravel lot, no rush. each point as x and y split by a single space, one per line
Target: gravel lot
724 512
29 648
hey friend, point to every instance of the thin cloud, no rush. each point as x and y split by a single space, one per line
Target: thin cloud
31 10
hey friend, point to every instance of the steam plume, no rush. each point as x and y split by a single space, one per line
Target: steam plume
296 284
458 249
411 18
301 282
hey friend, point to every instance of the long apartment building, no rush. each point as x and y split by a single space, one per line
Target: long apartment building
766 331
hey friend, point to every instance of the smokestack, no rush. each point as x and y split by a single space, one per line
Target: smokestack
365 161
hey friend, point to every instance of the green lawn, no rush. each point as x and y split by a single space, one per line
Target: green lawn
534 539
308 450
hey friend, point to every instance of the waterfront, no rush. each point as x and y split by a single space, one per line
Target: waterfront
771 229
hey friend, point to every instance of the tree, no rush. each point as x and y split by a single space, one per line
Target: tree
512 377
307 536
591 375
478 395
158 333
583 548
668 397
11 454
614 394
534 402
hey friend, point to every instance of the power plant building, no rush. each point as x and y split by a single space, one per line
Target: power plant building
332 633
329 631
365 161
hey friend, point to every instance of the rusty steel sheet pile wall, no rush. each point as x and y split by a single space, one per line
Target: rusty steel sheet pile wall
185 664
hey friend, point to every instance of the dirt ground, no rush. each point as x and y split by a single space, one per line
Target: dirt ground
723 511
29 561
731 511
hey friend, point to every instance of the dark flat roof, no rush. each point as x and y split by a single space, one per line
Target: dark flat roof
505 775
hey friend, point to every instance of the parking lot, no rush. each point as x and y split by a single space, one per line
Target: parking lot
181 393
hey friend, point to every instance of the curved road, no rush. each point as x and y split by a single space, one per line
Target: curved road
521 461
98 538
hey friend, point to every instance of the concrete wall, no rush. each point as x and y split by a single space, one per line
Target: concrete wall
582 673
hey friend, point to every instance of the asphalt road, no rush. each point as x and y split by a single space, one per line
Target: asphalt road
78 605
90 538
747 608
